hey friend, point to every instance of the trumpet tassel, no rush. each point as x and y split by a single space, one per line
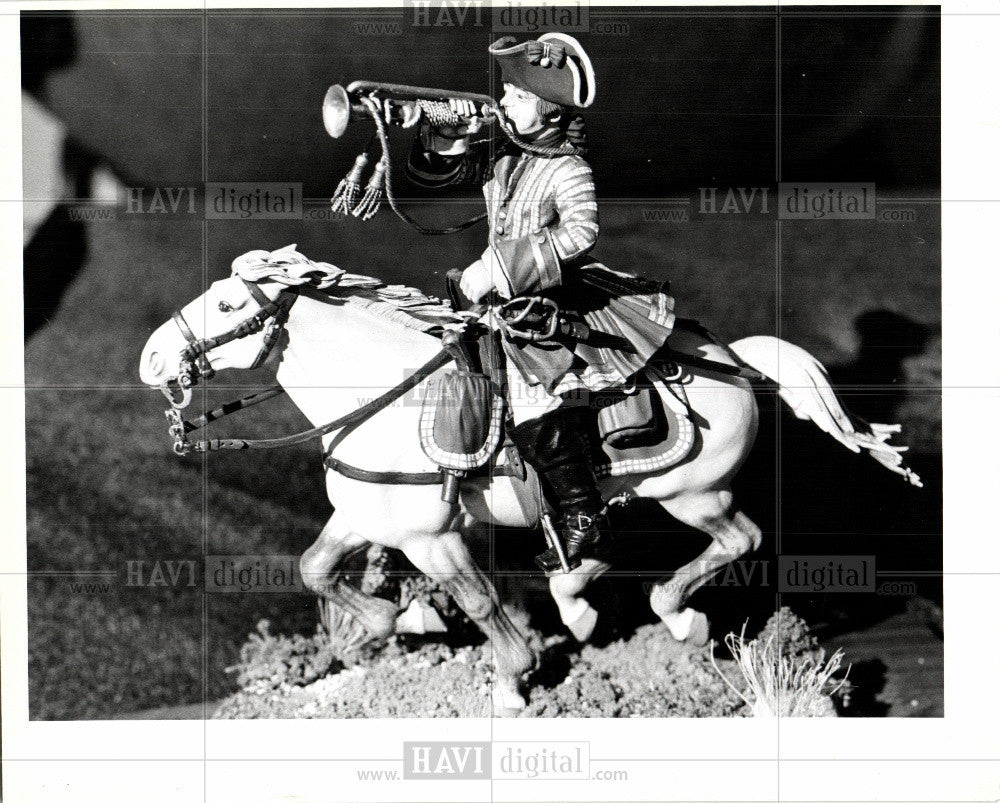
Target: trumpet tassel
372 199
346 194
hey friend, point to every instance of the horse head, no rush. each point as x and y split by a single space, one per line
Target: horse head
235 324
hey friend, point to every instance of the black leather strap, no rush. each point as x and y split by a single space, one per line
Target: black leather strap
233 407
384 477
709 366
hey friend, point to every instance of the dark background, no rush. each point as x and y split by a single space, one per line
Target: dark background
685 99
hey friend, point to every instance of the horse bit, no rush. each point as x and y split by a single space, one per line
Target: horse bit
194 363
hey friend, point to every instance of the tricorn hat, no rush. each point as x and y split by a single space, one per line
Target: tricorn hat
555 67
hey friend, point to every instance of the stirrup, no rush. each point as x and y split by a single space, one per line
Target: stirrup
551 562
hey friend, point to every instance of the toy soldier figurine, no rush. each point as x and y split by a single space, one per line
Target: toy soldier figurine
542 213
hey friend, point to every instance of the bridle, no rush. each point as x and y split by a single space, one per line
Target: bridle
194 362
194 359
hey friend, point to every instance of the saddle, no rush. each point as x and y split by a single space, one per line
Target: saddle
642 427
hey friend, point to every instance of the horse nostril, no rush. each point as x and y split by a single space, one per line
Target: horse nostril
156 362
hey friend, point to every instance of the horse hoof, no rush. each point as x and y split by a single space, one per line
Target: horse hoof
583 628
688 626
379 619
507 700
679 623
419 618
698 635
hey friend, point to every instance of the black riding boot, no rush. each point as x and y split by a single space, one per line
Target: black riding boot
556 447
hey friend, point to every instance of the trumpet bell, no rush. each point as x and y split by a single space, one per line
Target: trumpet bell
336 111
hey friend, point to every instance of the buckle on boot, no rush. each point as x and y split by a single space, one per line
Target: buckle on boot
588 536
583 536
579 524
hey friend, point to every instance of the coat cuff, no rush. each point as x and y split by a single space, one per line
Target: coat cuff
530 263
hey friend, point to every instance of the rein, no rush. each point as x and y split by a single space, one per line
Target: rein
350 419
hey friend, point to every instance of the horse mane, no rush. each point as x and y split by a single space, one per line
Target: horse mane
419 311
398 303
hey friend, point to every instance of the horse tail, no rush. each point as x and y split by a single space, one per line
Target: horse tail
804 385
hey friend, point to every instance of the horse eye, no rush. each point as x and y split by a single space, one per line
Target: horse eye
224 307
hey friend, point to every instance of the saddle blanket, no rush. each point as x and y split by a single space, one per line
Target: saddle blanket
476 442
612 462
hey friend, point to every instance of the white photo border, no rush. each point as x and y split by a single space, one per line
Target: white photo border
956 757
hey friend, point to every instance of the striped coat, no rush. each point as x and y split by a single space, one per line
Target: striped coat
543 222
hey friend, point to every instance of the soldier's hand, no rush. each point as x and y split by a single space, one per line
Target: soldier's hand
476 281
467 109
463 108
411 114
408 116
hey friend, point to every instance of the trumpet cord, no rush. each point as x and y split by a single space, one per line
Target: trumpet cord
439 114
564 149
390 196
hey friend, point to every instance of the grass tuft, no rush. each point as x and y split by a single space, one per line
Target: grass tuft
783 684
272 662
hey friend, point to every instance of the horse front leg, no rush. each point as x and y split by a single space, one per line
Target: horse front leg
733 535
319 566
445 559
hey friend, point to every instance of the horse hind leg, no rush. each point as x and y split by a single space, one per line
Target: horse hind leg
576 613
733 535
319 566
445 558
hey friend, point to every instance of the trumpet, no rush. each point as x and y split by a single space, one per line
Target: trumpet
341 105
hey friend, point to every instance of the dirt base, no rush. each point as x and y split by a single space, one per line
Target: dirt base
648 675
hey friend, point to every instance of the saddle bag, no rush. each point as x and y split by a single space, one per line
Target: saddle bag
631 416
460 420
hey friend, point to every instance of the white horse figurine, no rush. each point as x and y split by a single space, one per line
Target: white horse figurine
336 355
